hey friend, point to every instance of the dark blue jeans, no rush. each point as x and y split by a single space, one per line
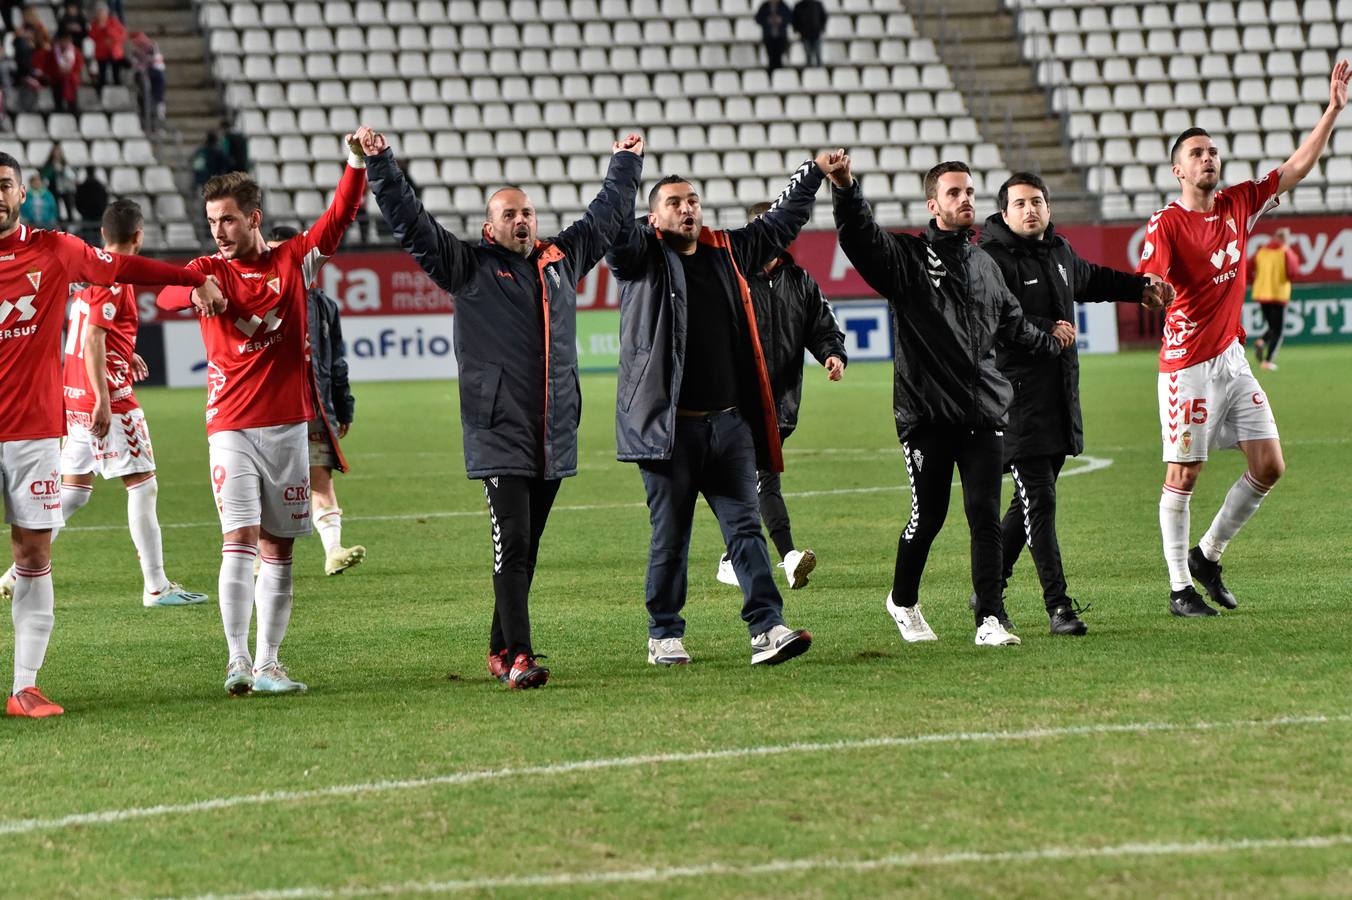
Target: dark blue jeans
716 457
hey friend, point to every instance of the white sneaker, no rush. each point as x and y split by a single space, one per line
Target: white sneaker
7 584
990 633
667 652
912 624
797 565
726 574
779 644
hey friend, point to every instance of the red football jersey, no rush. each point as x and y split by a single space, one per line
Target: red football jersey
258 350
114 310
1204 256
36 270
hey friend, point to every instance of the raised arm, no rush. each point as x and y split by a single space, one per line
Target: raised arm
444 257
587 239
324 236
759 241
876 255
1307 154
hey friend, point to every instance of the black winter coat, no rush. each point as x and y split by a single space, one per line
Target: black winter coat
333 391
653 324
949 307
792 316
1048 277
515 321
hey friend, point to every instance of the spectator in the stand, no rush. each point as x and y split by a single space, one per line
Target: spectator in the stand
73 22
208 161
6 87
91 199
28 77
39 207
150 77
773 17
60 180
109 36
42 38
65 68
7 17
234 147
809 20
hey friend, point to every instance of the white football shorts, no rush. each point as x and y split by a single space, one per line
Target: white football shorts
261 476
31 471
1212 406
125 451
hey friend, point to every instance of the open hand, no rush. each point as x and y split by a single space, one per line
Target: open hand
1338 85
139 370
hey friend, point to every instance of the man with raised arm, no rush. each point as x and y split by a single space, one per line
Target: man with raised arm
1208 396
516 348
259 404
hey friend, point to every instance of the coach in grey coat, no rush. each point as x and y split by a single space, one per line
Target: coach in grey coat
516 346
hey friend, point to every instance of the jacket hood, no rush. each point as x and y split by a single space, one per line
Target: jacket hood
996 231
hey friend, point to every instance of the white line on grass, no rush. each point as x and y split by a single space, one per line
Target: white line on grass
659 874
115 816
1089 464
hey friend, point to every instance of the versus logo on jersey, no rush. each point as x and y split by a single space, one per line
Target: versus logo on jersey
24 305
1231 250
251 325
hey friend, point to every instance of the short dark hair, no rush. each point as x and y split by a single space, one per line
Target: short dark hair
7 161
1018 178
666 180
756 210
932 176
121 220
488 206
234 185
282 233
1192 132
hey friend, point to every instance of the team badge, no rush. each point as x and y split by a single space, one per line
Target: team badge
1185 443
35 278
1230 223
1062 269
276 284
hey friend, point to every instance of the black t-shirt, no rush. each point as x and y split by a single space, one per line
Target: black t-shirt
709 381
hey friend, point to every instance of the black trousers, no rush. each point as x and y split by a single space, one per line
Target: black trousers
1275 316
931 452
1031 520
773 512
518 508
715 456
774 53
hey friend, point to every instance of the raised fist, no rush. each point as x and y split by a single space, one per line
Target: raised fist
835 165
632 143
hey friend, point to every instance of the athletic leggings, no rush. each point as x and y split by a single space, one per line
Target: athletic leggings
1275 316
518 508
931 451
1031 520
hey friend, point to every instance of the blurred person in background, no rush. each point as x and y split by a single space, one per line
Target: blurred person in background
110 51
1270 271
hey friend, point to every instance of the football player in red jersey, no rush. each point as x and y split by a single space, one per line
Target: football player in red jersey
100 366
37 268
1208 397
259 405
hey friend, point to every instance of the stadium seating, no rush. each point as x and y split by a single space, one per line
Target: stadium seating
477 94
1129 76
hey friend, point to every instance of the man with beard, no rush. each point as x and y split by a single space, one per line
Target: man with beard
949 307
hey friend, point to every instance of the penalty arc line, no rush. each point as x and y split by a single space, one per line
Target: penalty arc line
1090 464
660 874
475 776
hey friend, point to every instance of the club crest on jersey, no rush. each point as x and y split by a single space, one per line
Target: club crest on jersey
1062 269
35 278
1185 443
275 283
1230 223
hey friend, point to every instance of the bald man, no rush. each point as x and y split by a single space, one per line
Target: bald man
516 347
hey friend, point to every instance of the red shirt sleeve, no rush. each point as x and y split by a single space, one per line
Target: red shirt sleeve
1156 254
174 298
104 308
328 230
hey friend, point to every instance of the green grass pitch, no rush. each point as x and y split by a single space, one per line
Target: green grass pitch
1155 756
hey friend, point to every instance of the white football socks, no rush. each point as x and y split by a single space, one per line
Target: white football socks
272 595
1174 521
236 591
33 616
1241 502
329 522
145 533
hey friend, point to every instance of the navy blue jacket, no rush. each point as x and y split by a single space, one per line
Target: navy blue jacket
515 321
653 324
333 391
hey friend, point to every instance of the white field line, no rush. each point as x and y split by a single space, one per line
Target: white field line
475 776
660 874
1088 464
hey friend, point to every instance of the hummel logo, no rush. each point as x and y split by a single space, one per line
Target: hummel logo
1232 251
250 326
1030 281
1212 219
24 305
935 266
